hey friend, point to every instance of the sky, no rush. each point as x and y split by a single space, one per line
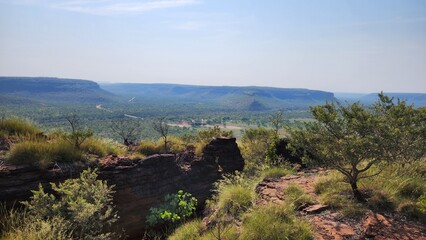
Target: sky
332 45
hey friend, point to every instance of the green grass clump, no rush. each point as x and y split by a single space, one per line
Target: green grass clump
18 126
41 154
421 202
18 224
234 199
188 231
274 222
380 201
334 192
276 172
227 232
296 197
411 188
412 210
148 148
100 147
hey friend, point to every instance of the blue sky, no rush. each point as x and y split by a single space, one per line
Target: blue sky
334 45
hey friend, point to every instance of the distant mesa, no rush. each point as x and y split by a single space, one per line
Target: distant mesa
236 98
57 90
46 90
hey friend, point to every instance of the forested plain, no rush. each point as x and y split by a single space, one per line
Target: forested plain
364 159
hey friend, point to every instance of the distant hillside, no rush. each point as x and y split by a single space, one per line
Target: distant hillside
242 98
41 89
418 99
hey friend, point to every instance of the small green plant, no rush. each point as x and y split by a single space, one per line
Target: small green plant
175 208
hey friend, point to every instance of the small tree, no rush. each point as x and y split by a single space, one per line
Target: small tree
353 138
162 128
77 135
126 129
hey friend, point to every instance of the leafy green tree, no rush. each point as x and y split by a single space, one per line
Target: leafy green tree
353 138
84 204
176 207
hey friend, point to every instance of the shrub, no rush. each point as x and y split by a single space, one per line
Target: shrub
276 172
176 207
148 148
274 222
84 204
254 144
234 200
18 126
41 154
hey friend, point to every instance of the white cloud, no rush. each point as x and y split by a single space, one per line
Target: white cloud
110 7
107 7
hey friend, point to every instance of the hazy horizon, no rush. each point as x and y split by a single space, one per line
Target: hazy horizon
338 46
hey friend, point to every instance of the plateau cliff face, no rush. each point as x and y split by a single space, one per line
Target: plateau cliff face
139 184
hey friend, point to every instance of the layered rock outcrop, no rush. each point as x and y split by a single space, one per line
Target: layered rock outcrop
225 153
139 184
